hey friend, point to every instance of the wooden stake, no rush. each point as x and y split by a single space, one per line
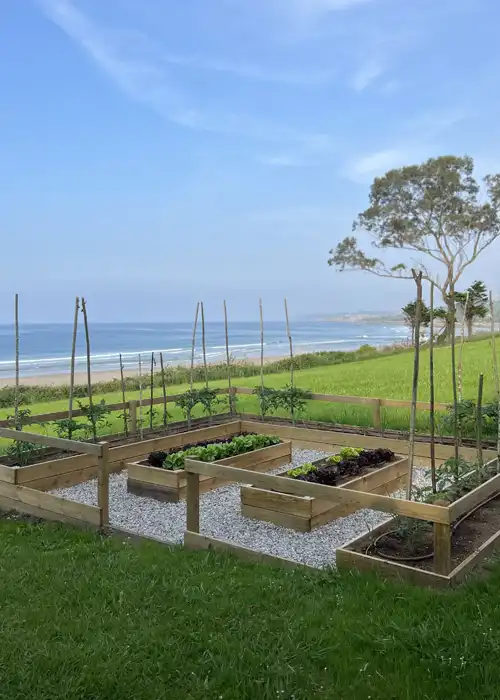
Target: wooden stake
122 381
432 414
193 344
496 375
164 389
203 345
151 391
89 371
103 484
17 400
228 362
414 395
479 422
461 352
261 355
141 426
456 437
72 368
291 358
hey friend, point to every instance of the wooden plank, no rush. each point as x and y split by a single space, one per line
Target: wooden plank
54 467
412 509
300 506
132 412
377 415
48 441
193 540
349 560
49 502
193 503
474 497
8 504
485 550
442 549
8 474
103 484
257 458
292 522
155 475
378 477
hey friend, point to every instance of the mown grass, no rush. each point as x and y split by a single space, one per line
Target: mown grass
383 377
89 618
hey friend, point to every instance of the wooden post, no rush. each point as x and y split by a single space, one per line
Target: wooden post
414 395
261 357
16 395
496 374
103 483
72 368
292 382
456 436
193 502
479 423
164 390
231 395
141 427
151 390
432 414
377 414
122 382
132 408
89 371
193 343
442 549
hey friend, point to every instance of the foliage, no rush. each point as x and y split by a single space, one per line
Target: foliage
209 399
474 303
187 402
345 453
23 417
466 413
304 469
97 417
67 428
433 209
269 399
23 453
219 450
293 399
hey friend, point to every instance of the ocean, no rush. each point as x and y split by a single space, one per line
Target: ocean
46 348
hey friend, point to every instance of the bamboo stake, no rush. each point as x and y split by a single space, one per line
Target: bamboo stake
432 414
72 368
16 396
261 357
122 380
461 351
231 397
164 389
203 345
479 423
141 427
291 360
89 371
456 437
151 391
193 344
414 395
496 375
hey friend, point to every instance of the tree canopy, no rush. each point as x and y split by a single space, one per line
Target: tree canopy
473 303
435 210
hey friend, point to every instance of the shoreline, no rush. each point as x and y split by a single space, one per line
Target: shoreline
107 375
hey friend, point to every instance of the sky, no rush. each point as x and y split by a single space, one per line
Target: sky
159 152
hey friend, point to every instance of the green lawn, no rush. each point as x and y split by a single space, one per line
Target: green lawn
384 377
86 618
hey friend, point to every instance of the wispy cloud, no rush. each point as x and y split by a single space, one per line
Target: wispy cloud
136 66
366 74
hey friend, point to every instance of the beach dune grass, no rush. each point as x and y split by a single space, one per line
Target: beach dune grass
381 377
90 617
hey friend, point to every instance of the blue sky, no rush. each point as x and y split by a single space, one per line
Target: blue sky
156 152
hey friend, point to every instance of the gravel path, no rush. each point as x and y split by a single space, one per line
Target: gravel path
220 517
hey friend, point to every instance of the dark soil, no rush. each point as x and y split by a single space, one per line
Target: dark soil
468 536
338 474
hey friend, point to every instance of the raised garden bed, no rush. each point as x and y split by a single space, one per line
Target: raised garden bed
170 484
438 555
304 513
60 469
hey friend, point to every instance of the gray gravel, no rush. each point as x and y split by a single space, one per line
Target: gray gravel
220 517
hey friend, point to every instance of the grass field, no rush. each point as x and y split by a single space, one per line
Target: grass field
87 618
383 377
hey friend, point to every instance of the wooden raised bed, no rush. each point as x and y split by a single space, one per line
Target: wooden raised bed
304 513
455 555
61 470
171 486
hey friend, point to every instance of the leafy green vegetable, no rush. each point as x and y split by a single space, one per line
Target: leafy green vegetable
215 451
306 468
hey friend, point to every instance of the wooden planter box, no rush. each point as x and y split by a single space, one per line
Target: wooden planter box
447 569
171 486
304 513
62 471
